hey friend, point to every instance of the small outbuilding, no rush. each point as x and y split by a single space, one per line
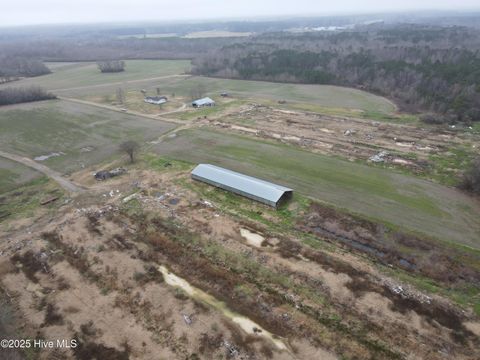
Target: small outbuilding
206 101
156 100
260 190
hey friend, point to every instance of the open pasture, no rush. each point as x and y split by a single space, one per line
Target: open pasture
394 198
13 175
84 74
71 135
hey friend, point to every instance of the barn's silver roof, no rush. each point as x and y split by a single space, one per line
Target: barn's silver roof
244 183
203 101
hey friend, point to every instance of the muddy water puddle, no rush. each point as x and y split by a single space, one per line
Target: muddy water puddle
252 238
247 325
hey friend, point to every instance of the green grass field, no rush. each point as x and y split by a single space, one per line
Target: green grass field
316 95
382 194
316 98
84 134
13 175
66 76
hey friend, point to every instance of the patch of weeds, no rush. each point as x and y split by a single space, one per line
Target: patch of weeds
62 284
90 350
446 166
88 329
52 316
93 224
30 264
209 343
151 274
26 199
161 164
180 294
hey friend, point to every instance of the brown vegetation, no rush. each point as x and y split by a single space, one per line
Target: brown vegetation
471 178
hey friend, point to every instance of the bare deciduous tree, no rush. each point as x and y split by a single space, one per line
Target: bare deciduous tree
120 96
130 147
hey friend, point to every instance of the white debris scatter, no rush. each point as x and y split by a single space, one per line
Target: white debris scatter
46 157
380 157
407 292
129 197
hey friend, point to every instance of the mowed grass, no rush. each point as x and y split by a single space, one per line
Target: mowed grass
66 76
319 95
85 135
13 174
391 197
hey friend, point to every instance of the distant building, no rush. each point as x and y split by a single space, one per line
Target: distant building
156 100
263 191
203 102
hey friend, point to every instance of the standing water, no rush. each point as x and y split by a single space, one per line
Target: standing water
245 323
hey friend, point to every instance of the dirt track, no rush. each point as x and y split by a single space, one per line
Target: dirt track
113 108
63 182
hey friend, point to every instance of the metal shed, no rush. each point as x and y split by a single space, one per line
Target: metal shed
157 100
206 101
250 187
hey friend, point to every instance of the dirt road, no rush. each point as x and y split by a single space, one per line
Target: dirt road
63 182
113 108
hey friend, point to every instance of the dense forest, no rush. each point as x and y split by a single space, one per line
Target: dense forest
424 68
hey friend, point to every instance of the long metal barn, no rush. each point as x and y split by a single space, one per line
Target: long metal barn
263 191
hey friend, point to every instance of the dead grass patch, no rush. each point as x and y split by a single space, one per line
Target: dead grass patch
30 264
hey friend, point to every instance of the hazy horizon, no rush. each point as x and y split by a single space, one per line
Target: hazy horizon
31 12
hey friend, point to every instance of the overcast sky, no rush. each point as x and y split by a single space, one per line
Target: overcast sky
21 12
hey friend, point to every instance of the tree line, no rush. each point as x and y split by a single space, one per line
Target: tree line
10 96
14 67
422 68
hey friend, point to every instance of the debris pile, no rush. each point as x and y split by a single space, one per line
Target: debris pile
380 157
405 292
107 174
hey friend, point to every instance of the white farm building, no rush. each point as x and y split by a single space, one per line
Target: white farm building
206 101
156 100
